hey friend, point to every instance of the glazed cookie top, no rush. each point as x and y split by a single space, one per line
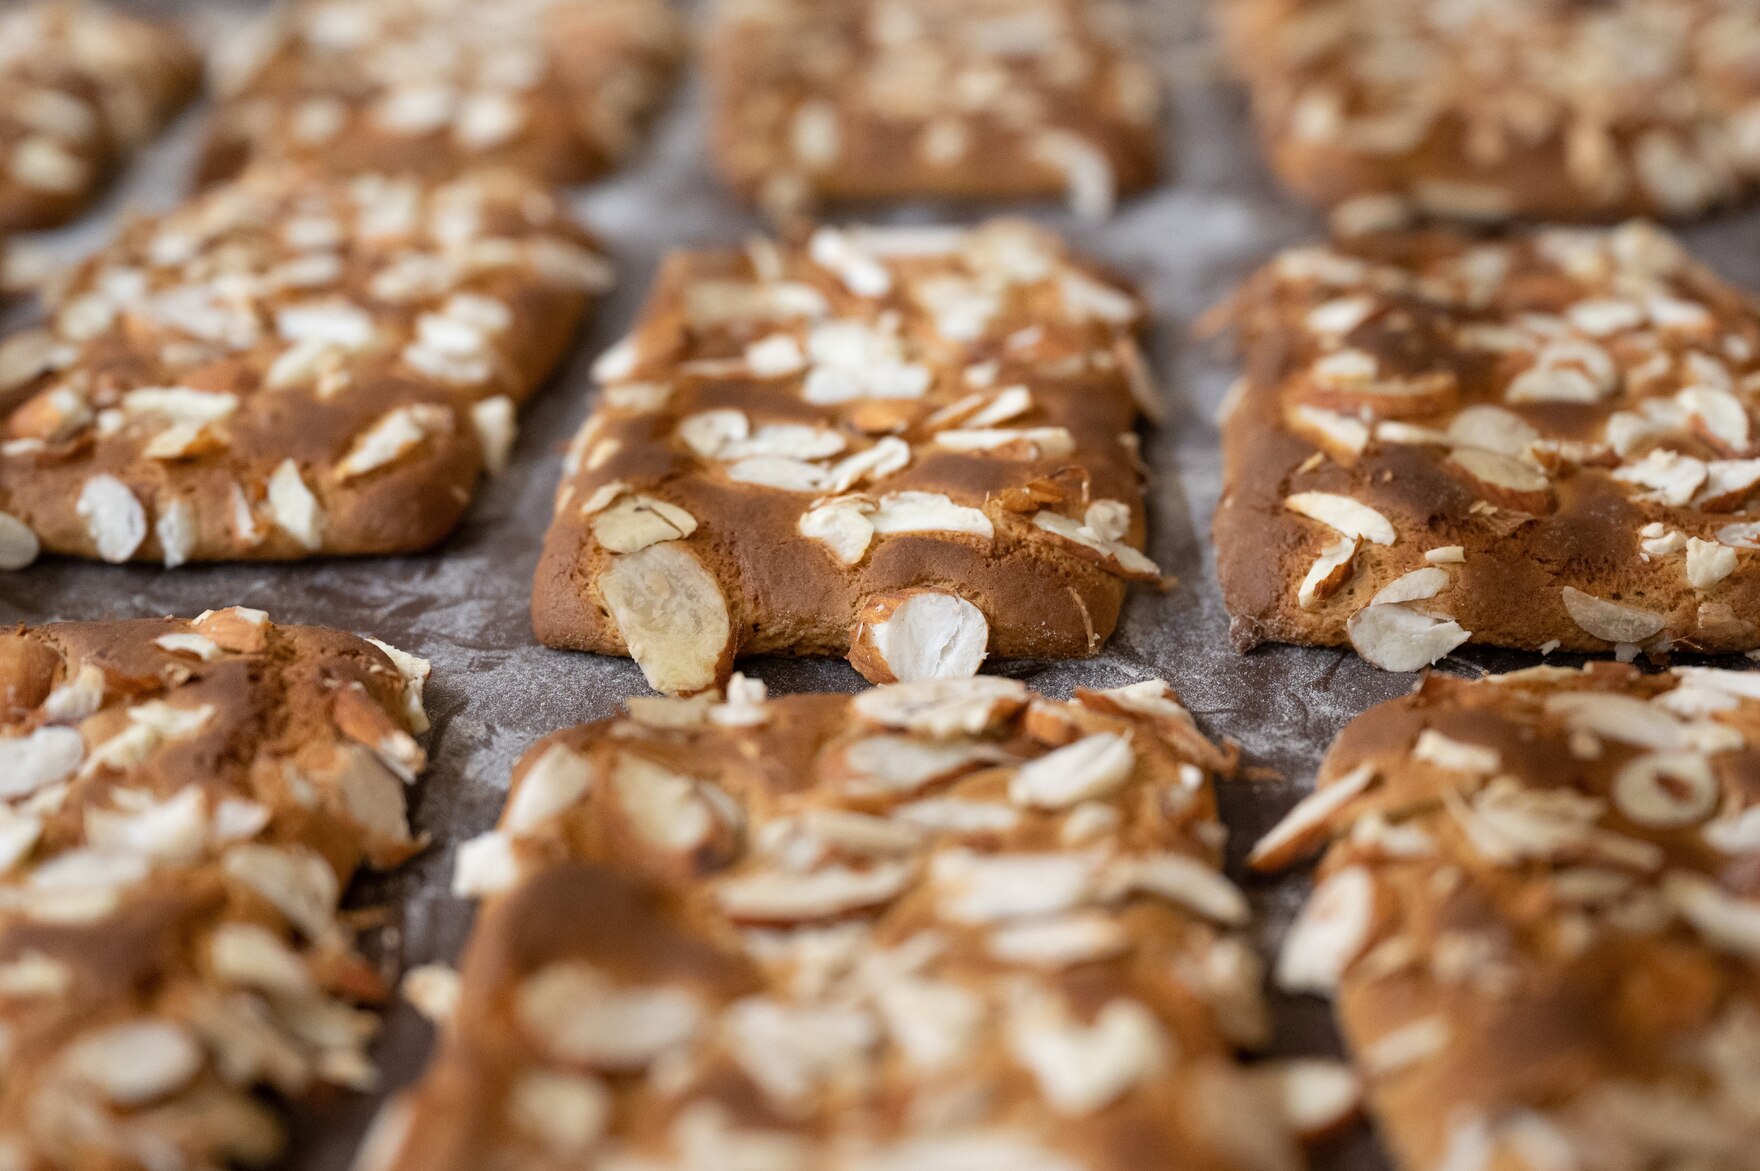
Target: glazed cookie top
850 391
558 88
274 343
936 924
80 85
1554 107
1453 394
1540 914
869 98
182 804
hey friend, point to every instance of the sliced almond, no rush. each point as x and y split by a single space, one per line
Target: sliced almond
918 634
1417 586
636 522
1504 480
672 615
1350 517
1329 934
1089 769
1666 790
1318 1098
295 510
114 517
1612 621
1331 569
1397 638
18 544
1306 827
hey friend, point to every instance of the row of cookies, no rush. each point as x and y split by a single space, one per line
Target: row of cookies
944 924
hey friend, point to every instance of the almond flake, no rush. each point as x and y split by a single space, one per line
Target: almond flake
1348 516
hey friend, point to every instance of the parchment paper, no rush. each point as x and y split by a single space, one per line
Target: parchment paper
464 606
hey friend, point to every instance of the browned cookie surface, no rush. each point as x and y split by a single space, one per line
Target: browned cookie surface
558 88
877 99
1550 108
181 805
1540 917
1540 440
287 366
909 445
81 87
938 925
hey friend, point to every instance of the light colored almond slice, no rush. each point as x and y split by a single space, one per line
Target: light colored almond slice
943 708
1350 517
1732 924
1504 480
137 1062
1708 563
18 544
1307 826
1318 1098
672 615
1396 638
636 522
114 517
918 634
1612 621
1329 934
1416 586
1331 569
768 896
1086 770
1666 790
295 510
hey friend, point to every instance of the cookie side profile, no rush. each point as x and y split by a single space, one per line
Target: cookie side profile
943 924
881 99
182 804
911 446
82 87
1506 108
1541 440
1538 916
287 366
561 89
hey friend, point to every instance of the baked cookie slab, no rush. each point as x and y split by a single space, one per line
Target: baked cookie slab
558 88
818 100
1541 440
942 924
287 366
1488 110
911 446
181 805
81 86
1540 918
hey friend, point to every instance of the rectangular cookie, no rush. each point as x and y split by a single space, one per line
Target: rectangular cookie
81 87
1483 111
559 88
1539 440
946 924
181 805
912 446
1539 917
815 100
287 366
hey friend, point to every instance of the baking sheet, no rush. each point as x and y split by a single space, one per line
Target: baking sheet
464 606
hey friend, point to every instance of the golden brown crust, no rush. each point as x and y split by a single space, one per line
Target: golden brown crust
1547 438
859 99
81 87
181 804
558 88
792 432
1555 109
941 924
288 366
1540 916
